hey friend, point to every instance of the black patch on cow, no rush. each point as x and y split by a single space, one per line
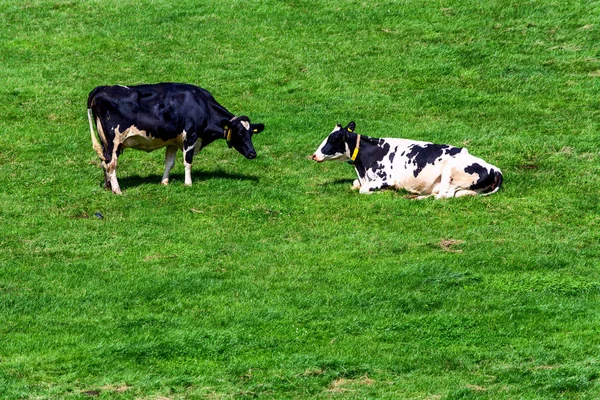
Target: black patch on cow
422 155
372 152
384 185
360 170
392 155
380 172
487 178
452 151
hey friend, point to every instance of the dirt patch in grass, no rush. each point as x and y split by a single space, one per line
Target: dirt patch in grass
159 256
107 389
531 166
544 367
477 388
341 385
447 245
313 372
82 215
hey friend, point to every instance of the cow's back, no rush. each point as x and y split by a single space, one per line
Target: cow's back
417 166
162 110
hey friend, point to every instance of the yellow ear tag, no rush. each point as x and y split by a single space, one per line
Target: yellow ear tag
254 130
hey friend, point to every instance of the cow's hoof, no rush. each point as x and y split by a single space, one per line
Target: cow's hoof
164 182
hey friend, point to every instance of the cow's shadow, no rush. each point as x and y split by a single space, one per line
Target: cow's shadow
339 181
178 178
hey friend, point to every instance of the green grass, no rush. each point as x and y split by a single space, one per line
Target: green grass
271 278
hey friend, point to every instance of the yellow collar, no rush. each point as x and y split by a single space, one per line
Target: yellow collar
227 133
355 153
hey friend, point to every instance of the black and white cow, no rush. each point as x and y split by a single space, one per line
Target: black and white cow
171 115
421 168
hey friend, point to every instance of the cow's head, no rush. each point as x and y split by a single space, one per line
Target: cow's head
334 147
238 133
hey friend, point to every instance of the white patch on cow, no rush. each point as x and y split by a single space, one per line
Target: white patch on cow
246 125
135 138
188 174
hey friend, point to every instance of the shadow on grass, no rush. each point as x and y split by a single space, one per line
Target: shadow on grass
136 180
339 181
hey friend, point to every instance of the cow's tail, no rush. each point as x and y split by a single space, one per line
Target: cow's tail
90 105
496 184
95 143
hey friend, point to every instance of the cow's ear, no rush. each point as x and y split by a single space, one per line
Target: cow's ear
351 127
257 128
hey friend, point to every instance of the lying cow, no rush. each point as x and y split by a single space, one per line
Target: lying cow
171 115
421 168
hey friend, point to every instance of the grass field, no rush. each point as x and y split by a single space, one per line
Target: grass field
271 278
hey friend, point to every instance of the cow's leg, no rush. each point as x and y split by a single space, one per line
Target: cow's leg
170 154
111 153
423 197
190 148
111 175
103 149
188 156
456 182
446 191
465 192
446 188
106 177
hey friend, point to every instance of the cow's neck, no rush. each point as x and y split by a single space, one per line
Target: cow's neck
217 130
363 158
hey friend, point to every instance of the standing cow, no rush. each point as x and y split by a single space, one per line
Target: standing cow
171 115
421 168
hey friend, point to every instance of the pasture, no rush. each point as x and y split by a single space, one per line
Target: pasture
271 278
